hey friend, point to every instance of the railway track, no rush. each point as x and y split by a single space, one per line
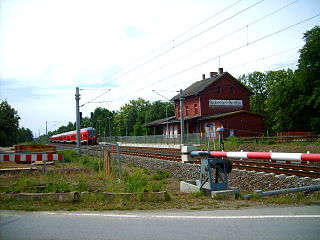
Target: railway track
171 154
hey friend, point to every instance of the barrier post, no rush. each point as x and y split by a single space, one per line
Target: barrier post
62 165
119 162
44 161
107 162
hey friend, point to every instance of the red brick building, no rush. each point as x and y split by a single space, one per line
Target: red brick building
220 100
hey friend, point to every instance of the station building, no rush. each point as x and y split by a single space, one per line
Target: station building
208 104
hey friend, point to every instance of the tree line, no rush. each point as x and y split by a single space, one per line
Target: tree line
10 132
290 100
128 120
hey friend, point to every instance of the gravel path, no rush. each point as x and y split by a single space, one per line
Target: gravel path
247 181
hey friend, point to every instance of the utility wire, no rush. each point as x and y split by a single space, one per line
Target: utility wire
253 5
229 34
174 47
96 98
226 53
171 41
259 59
162 95
215 41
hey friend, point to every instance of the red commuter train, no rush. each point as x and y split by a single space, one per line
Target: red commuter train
88 135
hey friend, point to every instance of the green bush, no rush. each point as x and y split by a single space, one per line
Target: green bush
58 187
161 175
70 156
135 182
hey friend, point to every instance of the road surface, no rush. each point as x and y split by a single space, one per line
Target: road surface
266 223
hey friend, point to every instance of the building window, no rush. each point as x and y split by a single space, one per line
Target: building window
178 112
187 110
195 109
231 90
218 90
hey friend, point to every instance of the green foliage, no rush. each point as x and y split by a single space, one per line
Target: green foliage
70 156
58 187
257 83
92 163
24 135
161 174
138 182
290 101
197 194
234 141
135 182
9 124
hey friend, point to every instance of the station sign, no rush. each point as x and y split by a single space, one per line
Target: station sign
220 102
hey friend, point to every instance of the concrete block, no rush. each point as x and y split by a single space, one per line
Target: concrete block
188 148
192 186
59 197
187 158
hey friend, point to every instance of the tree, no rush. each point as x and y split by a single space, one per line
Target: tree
25 135
308 80
102 115
9 124
257 83
281 112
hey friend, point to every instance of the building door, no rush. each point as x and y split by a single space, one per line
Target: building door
175 134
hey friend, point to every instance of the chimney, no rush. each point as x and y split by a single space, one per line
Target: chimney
203 76
213 74
220 70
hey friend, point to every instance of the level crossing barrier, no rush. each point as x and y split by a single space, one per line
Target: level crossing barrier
273 156
29 158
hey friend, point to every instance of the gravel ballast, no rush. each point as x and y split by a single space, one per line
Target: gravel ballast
247 181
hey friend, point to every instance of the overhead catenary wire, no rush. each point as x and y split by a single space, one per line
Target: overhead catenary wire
215 41
168 42
91 101
216 57
266 57
189 39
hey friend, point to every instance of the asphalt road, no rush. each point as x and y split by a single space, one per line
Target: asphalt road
269 223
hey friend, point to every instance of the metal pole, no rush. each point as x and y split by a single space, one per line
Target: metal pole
181 116
99 121
46 127
167 130
109 127
78 121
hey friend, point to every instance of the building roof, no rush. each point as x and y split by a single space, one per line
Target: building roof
201 85
221 115
215 116
159 122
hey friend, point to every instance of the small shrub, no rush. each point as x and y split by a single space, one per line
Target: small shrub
58 187
135 182
161 175
271 142
70 156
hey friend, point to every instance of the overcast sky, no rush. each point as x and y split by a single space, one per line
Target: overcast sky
50 47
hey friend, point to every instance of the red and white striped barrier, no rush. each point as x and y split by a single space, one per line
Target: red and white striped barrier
28 158
273 156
